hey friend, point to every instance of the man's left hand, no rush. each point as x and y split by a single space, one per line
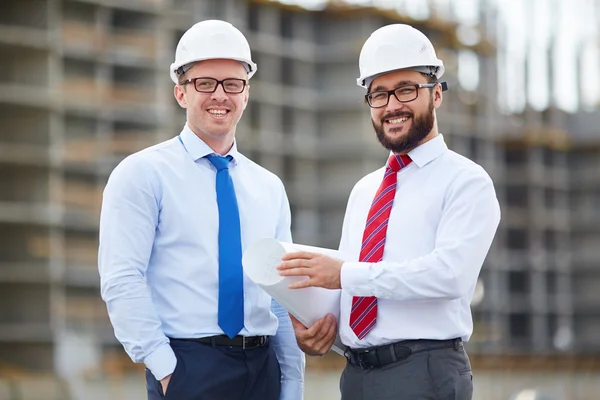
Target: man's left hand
318 339
322 271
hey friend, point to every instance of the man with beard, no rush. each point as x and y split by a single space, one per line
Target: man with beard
175 218
418 229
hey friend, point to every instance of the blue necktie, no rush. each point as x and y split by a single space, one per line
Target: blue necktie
231 281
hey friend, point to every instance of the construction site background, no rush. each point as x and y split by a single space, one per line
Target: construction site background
83 83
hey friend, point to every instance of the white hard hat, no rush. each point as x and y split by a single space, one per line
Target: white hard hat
394 47
208 40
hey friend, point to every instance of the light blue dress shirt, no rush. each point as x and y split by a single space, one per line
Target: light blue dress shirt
158 255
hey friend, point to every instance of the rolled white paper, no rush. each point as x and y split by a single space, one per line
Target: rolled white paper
260 261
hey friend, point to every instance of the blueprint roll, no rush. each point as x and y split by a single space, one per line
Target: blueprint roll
307 305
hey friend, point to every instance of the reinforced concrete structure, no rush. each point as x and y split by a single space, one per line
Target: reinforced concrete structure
84 83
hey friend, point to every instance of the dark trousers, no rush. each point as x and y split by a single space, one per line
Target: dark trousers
207 372
440 374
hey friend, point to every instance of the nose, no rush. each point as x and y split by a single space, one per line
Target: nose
393 104
219 93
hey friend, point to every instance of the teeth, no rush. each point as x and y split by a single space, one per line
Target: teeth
218 112
398 120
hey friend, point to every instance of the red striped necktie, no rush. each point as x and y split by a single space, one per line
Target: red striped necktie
364 309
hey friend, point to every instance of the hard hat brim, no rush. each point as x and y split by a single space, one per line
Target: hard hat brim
365 81
248 65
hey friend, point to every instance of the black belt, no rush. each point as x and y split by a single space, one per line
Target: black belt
375 357
245 342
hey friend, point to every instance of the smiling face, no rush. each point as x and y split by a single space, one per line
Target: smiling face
213 117
400 127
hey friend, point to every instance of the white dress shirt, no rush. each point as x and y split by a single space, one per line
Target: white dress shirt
158 256
444 217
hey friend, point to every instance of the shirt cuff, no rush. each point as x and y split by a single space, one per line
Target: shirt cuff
355 278
291 390
161 362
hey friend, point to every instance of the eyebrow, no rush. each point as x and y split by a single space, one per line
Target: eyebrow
398 84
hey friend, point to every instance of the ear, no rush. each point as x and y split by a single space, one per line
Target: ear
246 96
437 96
180 96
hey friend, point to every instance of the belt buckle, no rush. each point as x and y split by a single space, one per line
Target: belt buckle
355 358
258 342
361 362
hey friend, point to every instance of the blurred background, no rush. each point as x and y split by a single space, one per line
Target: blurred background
83 83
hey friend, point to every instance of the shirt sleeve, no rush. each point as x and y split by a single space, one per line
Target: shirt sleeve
291 358
129 217
469 221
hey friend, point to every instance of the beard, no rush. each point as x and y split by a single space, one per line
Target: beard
421 127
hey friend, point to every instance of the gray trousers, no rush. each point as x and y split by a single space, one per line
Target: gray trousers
442 374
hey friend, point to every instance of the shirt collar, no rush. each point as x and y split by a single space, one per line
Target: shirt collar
428 151
197 148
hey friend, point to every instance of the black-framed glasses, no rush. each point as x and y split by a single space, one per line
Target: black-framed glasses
209 85
404 94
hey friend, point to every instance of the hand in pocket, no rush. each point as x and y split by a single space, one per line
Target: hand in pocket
164 383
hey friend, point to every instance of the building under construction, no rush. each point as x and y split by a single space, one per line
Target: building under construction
84 83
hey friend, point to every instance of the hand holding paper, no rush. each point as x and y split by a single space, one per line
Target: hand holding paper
322 270
316 340
307 304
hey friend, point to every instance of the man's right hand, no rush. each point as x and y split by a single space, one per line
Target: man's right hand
164 383
318 339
